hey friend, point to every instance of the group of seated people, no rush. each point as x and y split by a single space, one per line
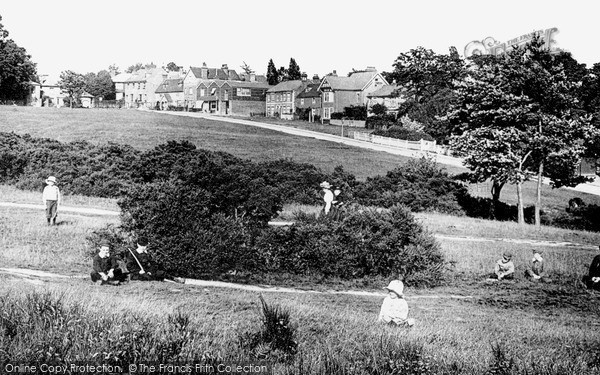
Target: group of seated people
504 268
135 265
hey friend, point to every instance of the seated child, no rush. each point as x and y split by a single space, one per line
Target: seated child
142 267
535 270
504 268
105 267
394 310
592 279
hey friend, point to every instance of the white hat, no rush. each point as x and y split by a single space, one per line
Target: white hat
51 179
396 286
325 185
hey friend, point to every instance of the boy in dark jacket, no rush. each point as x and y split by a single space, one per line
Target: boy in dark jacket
592 279
105 267
142 267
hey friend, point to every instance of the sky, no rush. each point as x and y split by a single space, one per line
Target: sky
321 35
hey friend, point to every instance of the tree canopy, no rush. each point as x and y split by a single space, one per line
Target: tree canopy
16 68
293 71
73 84
272 74
100 85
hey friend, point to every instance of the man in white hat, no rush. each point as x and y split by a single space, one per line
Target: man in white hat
328 197
394 309
51 198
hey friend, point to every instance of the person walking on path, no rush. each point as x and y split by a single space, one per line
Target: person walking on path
592 279
394 309
51 199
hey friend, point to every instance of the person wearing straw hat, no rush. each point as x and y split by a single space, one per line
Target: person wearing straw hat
328 196
51 198
394 309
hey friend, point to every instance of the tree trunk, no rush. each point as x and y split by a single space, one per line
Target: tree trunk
538 200
496 189
520 213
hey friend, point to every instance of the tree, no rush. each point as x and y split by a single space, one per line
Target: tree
100 85
515 121
282 74
73 84
272 74
246 68
114 69
172 67
293 72
16 68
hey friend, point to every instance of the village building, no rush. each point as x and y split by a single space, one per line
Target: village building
231 97
140 88
309 99
195 76
340 92
169 94
281 98
46 93
86 99
391 96
120 80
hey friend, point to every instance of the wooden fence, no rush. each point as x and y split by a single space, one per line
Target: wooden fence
422 145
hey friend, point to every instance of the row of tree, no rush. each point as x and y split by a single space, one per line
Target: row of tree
274 75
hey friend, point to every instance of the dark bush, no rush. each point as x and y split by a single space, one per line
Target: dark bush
358 112
363 242
399 132
418 184
380 121
379 109
337 115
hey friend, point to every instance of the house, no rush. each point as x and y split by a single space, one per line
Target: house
253 77
340 92
391 96
46 93
310 99
87 100
195 76
281 98
231 97
120 80
140 88
169 94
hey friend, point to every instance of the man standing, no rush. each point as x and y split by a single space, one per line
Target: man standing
328 196
51 198
592 279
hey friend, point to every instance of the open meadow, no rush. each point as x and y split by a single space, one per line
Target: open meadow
465 326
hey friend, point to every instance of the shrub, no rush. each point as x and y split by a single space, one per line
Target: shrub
380 121
379 109
363 242
399 132
418 184
358 112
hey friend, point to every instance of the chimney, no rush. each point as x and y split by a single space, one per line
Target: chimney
204 71
225 69
303 76
316 77
371 69
334 73
252 77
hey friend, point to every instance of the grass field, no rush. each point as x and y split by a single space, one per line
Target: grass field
532 328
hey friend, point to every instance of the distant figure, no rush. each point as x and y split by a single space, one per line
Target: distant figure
535 269
106 267
504 269
328 197
51 198
394 309
141 266
592 279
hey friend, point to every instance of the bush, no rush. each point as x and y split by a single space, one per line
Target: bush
380 121
379 109
363 242
418 184
358 112
399 132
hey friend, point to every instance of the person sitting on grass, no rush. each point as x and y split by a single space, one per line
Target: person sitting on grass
142 267
504 268
394 309
592 279
535 270
105 267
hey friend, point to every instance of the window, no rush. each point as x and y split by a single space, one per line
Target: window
243 91
202 92
328 97
302 101
314 101
213 90
226 95
327 113
144 87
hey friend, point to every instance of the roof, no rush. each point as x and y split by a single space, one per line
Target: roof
287 86
385 91
86 95
140 75
257 77
170 85
121 77
215 73
356 82
311 91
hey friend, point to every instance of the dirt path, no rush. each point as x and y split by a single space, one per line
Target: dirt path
78 210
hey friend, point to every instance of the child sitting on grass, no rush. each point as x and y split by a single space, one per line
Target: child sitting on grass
105 267
394 310
504 268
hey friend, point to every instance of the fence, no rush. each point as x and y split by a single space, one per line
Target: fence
422 145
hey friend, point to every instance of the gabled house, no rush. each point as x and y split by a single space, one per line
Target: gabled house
46 93
195 76
120 80
281 98
141 86
340 92
391 96
231 97
310 99
169 94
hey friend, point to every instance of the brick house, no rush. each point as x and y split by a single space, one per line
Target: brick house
140 88
340 92
231 97
310 98
281 98
196 75
169 94
388 95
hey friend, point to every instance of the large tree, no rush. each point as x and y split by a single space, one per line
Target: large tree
516 120
73 84
100 85
293 71
272 74
16 69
